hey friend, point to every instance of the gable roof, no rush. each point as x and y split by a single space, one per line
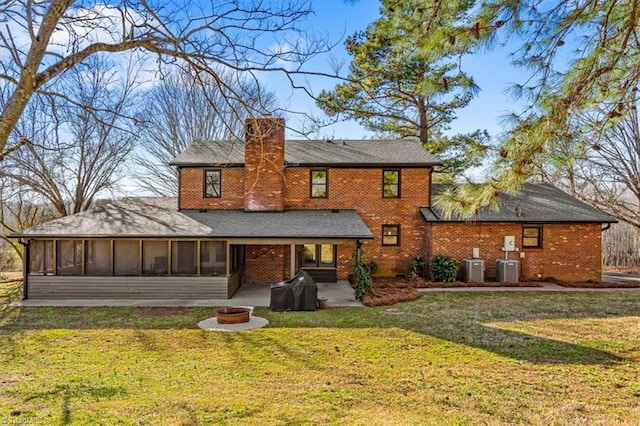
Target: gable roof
337 153
536 203
158 217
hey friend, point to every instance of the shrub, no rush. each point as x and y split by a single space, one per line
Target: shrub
372 266
444 268
362 278
417 266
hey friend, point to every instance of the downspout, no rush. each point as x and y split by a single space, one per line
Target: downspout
25 269
179 188
430 184
607 226
358 251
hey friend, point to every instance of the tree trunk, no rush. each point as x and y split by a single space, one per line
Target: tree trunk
27 84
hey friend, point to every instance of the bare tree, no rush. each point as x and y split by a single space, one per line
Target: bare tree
78 143
20 208
185 108
39 41
621 246
600 165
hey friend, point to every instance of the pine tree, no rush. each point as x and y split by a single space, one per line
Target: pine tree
397 88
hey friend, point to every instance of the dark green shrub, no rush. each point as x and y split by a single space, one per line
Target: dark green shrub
444 268
417 265
372 266
362 278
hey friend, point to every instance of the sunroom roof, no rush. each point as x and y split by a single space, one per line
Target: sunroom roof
158 218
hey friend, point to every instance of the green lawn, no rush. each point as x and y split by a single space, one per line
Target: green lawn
447 358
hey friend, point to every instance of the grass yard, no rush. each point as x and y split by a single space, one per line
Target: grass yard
446 358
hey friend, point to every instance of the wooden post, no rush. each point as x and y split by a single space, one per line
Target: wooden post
292 261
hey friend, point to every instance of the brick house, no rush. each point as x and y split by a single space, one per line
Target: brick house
261 209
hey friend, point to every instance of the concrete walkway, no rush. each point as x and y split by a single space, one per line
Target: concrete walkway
619 277
544 287
339 294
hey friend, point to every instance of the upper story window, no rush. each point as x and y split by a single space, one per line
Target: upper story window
212 183
319 183
532 236
391 184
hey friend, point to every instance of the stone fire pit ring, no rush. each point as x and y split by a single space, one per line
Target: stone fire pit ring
213 324
233 315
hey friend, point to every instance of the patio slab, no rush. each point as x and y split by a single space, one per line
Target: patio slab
339 294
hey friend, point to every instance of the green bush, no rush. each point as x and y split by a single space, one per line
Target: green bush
444 268
372 266
417 265
362 278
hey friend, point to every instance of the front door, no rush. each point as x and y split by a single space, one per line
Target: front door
319 260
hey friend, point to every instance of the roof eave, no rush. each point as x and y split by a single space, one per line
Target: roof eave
184 236
518 221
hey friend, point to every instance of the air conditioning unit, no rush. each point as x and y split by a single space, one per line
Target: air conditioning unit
474 270
507 271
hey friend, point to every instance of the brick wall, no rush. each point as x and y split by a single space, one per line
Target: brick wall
270 263
361 190
192 191
264 164
349 189
267 263
570 252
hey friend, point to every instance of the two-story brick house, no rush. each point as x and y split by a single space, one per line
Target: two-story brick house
261 209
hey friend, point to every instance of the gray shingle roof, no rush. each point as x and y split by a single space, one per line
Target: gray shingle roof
536 203
158 217
399 152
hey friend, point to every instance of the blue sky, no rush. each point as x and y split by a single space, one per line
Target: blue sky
491 70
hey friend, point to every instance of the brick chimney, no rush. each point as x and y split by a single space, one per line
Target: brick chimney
264 164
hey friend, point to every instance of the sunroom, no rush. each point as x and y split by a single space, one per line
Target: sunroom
146 249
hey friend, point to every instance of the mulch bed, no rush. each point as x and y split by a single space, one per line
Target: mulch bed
388 291
460 284
390 295
423 283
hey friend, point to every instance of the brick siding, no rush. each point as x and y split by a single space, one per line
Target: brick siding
267 263
192 191
361 190
570 252
264 164
270 263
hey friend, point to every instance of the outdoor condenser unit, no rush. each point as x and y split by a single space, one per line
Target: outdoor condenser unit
474 270
507 271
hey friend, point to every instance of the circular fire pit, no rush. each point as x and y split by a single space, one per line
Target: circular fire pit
233 315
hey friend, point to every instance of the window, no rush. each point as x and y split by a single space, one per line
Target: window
391 184
183 257
126 256
97 258
213 257
319 187
41 257
212 184
319 255
532 236
69 257
155 255
390 235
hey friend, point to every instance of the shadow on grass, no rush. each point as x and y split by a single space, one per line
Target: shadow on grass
456 317
462 319
66 393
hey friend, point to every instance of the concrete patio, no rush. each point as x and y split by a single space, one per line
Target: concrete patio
339 294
